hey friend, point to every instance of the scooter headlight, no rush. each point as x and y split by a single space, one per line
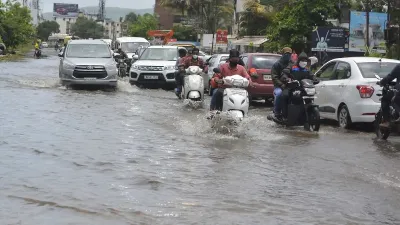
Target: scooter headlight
310 91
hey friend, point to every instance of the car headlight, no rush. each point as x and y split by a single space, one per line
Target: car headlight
310 91
170 68
134 67
68 65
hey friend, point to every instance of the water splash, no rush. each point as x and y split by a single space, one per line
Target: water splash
193 104
40 83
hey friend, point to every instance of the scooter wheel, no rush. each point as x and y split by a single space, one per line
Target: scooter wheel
313 121
381 133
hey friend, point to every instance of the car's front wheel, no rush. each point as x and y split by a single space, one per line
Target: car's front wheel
344 117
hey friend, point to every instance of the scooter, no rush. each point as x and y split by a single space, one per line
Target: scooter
37 53
193 85
388 90
301 109
121 68
235 103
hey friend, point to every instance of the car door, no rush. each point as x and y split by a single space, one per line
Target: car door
211 65
325 74
245 59
337 88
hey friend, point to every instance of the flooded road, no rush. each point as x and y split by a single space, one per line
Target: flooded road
140 157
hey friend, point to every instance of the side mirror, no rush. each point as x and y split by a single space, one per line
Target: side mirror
116 55
60 54
216 70
135 57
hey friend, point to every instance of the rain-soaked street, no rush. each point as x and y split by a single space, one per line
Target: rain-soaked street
138 156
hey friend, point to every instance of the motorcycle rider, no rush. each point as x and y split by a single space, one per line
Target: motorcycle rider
194 60
180 73
227 69
281 66
122 53
386 100
298 72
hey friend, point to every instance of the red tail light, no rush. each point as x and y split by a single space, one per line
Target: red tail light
366 91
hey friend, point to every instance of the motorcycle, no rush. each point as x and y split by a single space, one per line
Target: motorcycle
193 85
37 53
388 90
122 71
235 103
301 108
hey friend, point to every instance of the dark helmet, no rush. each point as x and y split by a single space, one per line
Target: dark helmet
302 57
195 50
182 51
234 53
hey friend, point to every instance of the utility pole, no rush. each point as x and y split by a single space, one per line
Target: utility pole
367 9
214 26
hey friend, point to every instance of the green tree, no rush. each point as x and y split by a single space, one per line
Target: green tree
87 28
255 19
297 20
131 17
15 24
45 29
184 33
143 24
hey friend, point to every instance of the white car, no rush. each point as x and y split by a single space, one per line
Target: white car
347 89
45 45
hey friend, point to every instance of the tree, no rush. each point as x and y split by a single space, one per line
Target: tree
184 33
15 24
143 24
297 20
131 17
87 28
45 29
255 19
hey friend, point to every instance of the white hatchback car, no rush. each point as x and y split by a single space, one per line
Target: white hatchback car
347 91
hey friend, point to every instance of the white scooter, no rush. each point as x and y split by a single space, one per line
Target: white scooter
193 85
235 101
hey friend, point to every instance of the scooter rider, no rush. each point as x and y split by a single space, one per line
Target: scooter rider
122 53
277 70
194 60
227 69
180 73
386 100
298 72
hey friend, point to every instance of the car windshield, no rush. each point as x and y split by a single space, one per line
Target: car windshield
166 54
369 69
264 61
131 47
88 51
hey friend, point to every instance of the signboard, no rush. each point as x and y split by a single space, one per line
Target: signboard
358 31
65 10
222 37
330 39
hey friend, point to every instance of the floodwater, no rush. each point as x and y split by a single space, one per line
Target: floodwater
136 156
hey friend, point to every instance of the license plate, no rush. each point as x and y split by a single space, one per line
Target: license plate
267 77
90 78
151 77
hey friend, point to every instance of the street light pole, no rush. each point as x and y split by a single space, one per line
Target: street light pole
214 26
367 8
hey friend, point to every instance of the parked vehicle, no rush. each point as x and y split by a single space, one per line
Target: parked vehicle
259 67
88 62
45 45
156 67
204 56
212 63
301 108
388 90
347 87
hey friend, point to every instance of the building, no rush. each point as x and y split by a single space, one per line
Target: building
166 17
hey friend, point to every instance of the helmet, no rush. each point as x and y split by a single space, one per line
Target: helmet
234 53
302 57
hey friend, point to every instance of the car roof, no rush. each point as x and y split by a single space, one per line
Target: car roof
163 46
87 42
261 53
130 39
365 59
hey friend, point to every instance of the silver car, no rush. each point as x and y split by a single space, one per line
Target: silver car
88 62
212 63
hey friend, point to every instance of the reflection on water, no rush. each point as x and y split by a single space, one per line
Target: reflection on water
137 156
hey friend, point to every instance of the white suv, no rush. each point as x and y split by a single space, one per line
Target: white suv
155 67
347 91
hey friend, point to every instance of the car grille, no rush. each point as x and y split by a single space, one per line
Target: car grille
98 72
151 68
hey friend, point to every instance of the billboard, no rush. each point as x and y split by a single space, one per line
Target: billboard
330 39
358 31
222 36
65 10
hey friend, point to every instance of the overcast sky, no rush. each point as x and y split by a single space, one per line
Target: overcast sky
47 5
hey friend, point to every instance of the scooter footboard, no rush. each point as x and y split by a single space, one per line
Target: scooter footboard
295 114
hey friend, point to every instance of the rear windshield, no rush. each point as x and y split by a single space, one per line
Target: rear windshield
369 69
223 59
264 61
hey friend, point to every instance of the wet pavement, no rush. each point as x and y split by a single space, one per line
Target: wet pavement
138 156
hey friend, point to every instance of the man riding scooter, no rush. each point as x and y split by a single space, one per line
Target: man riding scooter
298 72
227 69
181 71
386 100
277 71
194 60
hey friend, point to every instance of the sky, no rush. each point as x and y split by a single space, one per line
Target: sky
47 5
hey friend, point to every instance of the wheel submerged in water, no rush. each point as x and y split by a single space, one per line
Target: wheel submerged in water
313 123
381 133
